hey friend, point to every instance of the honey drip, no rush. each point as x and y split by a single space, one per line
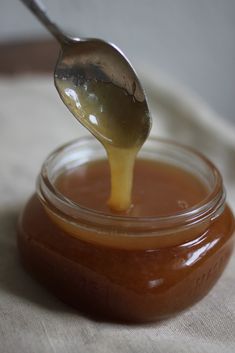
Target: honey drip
118 121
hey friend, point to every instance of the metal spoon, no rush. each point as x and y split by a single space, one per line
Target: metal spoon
116 113
102 90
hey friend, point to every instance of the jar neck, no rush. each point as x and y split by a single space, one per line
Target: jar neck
76 219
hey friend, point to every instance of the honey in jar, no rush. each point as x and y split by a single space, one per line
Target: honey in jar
158 257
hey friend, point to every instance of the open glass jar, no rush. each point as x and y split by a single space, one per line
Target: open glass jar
126 268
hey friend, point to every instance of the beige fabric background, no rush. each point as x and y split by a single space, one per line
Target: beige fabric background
33 121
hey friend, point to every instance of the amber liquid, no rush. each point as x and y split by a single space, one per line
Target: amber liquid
158 188
109 273
127 284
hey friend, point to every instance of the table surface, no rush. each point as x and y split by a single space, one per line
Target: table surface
27 57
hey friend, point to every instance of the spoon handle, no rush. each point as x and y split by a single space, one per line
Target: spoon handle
39 10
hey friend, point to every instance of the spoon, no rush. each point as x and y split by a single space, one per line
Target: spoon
101 89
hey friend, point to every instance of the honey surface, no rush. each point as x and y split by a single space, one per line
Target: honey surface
158 188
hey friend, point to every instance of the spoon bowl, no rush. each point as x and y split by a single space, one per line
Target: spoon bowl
99 86
101 89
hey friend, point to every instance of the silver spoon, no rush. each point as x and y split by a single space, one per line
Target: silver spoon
83 63
101 89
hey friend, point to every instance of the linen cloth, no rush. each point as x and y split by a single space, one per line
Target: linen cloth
33 121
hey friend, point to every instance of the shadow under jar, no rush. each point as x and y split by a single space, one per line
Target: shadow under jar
133 269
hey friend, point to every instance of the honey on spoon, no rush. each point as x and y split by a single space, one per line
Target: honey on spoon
101 89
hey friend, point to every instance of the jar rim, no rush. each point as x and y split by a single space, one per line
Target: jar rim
211 206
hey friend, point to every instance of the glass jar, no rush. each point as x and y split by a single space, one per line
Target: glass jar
126 268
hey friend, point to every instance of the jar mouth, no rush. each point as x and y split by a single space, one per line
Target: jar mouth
81 151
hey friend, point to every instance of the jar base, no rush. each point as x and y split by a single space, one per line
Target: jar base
95 279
